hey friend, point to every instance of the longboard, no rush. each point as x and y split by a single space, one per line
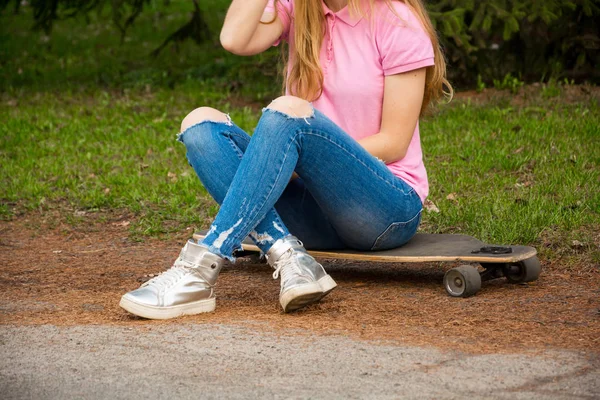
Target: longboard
517 263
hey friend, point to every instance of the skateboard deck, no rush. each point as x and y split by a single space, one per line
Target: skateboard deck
425 247
518 264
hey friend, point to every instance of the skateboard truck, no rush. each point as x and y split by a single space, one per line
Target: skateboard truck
493 250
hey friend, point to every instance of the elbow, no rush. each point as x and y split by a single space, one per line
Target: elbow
402 153
232 45
395 153
397 156
228 42
396 145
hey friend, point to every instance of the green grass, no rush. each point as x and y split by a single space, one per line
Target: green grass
104 151
89 125
516 174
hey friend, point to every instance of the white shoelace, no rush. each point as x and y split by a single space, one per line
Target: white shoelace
169 277
287 266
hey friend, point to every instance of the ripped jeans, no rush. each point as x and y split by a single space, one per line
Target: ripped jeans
344 198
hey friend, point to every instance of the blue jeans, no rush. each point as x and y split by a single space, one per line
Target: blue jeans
344 198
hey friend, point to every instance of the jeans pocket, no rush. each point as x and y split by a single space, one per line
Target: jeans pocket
397 234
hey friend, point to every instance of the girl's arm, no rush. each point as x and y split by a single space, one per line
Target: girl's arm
242 32
402 101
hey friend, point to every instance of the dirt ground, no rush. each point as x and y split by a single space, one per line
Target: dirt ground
63 275
529 95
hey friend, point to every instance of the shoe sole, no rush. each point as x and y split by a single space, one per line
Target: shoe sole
304 295
151 312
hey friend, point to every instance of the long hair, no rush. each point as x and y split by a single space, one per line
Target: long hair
305 77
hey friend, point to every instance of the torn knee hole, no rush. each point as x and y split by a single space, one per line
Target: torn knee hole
204 114
292 107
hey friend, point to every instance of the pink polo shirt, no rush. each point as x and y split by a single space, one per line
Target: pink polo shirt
356 55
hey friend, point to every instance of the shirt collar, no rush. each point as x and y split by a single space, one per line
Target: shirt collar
343 14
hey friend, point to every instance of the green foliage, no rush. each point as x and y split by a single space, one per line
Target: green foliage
86 52
551 89
45 13
509 82
535 39
480 84
124 13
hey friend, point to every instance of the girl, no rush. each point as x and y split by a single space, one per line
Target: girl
335 163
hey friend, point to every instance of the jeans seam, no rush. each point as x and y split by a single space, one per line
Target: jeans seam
235 147
239 135
314 133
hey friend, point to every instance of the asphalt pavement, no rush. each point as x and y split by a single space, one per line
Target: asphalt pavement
208 361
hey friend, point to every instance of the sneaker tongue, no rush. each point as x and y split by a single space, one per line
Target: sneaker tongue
291 268
281 247
282 262
286 256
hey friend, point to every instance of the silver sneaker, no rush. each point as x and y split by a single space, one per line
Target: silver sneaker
185 289
303 279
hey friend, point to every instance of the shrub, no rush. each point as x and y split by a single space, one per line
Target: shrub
536 40
485 41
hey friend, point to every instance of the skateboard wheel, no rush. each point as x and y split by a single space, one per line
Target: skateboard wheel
463 281
523 271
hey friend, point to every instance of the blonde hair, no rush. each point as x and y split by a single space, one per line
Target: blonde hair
305 77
